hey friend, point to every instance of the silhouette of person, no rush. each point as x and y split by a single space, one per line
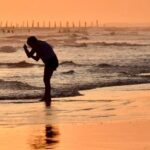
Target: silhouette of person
44 51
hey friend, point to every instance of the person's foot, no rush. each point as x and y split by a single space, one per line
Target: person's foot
47 103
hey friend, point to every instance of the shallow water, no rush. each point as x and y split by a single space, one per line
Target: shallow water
106 104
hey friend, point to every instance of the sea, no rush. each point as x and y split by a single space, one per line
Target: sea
90 87
88 58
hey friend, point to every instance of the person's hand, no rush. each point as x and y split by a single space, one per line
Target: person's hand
25 46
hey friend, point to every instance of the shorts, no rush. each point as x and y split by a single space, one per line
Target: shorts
52 63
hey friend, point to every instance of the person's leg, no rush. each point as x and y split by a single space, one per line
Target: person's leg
48 72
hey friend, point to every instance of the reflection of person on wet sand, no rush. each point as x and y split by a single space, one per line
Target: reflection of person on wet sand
42 50
51 133
46 140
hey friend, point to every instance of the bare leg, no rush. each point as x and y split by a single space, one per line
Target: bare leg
48 72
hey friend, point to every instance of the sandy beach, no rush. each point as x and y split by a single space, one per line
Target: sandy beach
119 122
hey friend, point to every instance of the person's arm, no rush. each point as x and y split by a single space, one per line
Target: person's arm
30 54
36 57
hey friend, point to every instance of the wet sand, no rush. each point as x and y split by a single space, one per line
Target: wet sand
133 135
127 130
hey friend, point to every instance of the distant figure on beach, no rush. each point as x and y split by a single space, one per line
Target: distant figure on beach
44 51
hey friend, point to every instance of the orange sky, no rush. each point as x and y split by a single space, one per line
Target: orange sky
120 11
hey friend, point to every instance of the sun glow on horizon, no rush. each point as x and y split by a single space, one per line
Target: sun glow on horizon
106 11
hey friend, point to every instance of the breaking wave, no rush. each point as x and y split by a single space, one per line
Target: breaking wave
77 45
7 49
104 65
21 64
70 63
16 85
116 44
24 64
22 91
70 72
17 37
14 90
85 44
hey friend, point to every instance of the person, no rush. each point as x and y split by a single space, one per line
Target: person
44 51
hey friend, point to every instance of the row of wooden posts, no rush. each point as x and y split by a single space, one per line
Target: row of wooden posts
37 24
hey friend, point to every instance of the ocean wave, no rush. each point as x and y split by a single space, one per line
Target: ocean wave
73 90
36 94
115 44
8 49
84 38
16 85
119 70
70 72
70 63
21 64
76 44
17 37
105 65
86 44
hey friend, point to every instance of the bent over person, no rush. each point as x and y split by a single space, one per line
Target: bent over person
44 51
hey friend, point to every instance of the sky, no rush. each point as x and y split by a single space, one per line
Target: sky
106 11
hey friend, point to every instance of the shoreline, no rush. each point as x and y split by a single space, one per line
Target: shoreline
100 104
66 93
82 122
